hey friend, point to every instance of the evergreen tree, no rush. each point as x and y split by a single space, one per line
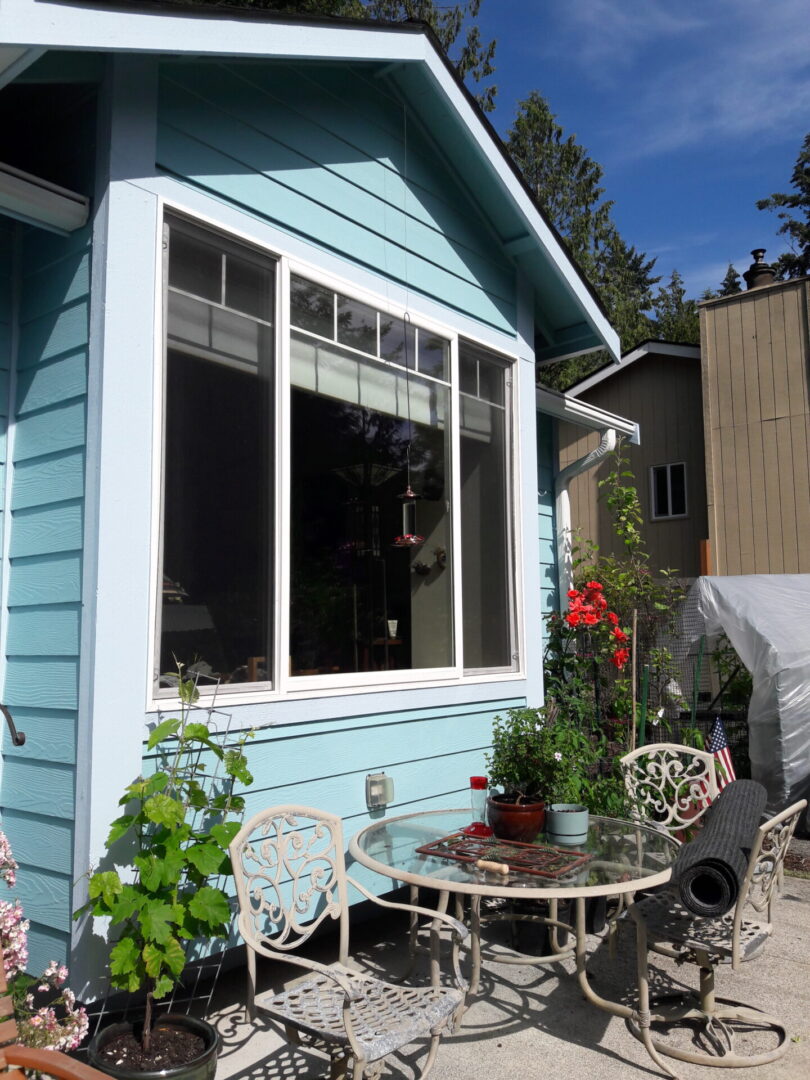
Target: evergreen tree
674 317
796 226
452 24
567 184
730 285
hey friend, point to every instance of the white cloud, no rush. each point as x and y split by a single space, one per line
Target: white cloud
727 70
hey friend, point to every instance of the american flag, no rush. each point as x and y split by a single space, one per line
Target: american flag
718 745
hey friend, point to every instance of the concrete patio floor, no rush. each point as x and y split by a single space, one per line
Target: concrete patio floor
534 1021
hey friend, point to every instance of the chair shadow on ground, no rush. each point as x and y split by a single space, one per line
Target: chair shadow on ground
513 1002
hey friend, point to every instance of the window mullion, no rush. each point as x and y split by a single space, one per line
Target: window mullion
282 537
455 507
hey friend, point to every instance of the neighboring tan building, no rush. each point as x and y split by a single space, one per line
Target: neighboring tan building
755 350
657 385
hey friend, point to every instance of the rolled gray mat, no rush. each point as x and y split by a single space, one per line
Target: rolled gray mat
709 871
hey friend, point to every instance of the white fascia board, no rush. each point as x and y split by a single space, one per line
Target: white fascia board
41 24
650 348
565 407
62 26
538 229
14 59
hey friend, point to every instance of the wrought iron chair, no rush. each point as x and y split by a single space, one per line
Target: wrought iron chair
290 876
670 785
664 924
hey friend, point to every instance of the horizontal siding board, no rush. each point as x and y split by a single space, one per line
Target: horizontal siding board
48 384
52 287
41 841
43 681
266 197
42 249
45 579
50 734
51 630
327 168
39 787
45 897
61 427
46 945
47 530
51 478
53 334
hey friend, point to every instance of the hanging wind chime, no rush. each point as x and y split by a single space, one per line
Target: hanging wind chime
409 536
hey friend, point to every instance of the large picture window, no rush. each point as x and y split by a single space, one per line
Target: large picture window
380 534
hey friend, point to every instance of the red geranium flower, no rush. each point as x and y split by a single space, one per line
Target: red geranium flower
593 585
619 634
590 619
572 618
613 618
620 658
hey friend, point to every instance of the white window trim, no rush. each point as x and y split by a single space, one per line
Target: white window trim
668 465
286 687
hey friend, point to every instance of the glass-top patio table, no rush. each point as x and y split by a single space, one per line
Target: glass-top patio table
622 858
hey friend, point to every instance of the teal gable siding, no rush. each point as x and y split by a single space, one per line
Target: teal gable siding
331 154
545 513
44 567
6 318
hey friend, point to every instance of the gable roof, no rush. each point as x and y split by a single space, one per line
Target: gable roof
568 313
647 348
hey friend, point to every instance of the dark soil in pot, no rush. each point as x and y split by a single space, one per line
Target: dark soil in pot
181 1047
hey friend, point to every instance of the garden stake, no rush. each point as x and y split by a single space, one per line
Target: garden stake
696 679
645 689
633 680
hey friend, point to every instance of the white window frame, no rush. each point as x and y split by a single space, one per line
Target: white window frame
284 685
669 466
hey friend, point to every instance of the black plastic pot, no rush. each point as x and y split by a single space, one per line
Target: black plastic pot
203 1067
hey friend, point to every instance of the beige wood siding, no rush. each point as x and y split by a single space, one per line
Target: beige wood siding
755 351
663 395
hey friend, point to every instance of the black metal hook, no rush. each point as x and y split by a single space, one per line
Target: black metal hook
17 737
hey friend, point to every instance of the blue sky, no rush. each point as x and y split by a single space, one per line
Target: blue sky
694 108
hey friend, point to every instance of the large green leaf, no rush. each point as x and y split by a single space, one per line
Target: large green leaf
169 955
164 810
120 827
236 766
151 870
210 906
161 732
125 959
162 987
105 886
207 858
129 901
223 834
156 782
156 920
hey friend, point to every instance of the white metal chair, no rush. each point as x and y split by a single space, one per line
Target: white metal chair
670 785
290 873
665 925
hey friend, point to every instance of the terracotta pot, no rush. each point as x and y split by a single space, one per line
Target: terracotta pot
515 821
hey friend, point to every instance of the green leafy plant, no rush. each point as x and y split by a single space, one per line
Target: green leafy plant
178 824
518 761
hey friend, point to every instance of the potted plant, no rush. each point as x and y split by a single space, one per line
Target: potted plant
177 828
519 764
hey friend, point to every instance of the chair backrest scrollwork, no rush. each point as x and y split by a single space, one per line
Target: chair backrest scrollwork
290 874
670 785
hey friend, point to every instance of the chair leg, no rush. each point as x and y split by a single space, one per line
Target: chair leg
642 1017
431 1058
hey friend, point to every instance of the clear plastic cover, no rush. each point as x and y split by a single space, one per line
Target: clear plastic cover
766 617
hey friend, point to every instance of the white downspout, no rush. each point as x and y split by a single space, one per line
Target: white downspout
562 507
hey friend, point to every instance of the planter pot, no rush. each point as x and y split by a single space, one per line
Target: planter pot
202 1067
567 823
515 821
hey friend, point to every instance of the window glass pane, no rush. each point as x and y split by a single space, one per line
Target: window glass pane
468 374
218 492
660 492
487 593
393 341
491 383
249 288
357 325
677 480
434 356
195 266
312 307
358 602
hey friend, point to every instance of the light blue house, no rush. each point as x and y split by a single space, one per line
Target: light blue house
259 280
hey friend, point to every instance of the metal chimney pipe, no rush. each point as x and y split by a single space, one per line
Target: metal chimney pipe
759 272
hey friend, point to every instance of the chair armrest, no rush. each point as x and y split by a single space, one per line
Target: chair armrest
454 924
51 1063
